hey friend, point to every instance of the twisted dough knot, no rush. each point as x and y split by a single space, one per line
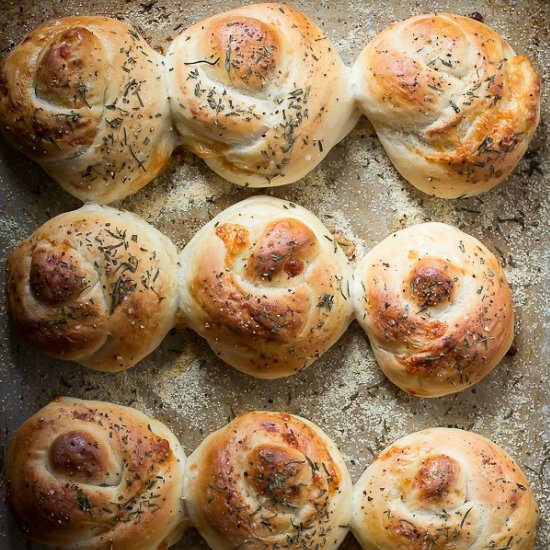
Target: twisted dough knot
268 480
453 105
443 488
96 475
260 93
267 286
436 307
96 285
80 95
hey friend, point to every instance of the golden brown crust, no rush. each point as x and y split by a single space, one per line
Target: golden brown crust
443 488
97 474
260 93
453 105
267 286
251 48
77 455
85 97
55 277
283 249
60 77
436 307
268 480
432 282
96 285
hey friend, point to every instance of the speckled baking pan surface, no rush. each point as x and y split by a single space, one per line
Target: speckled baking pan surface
355 190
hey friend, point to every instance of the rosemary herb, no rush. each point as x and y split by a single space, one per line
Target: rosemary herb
82 91
465 516
228 56
215 62
326 301
82 500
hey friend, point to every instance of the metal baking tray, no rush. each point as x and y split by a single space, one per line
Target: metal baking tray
355 190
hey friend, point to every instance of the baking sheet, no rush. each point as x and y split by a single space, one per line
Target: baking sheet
355 190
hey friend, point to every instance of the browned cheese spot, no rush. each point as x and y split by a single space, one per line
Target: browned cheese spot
247 49
284 246
68 73
431 283
436 476
54 277
77 455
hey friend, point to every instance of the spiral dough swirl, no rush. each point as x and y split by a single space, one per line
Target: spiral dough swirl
267 286
440 489
436 307
85 98
260 93
95 285
93 475
268 480
454 107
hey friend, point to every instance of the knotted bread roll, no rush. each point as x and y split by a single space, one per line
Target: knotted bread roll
260 93
95 285
440 489
436 307
94 475
268 480
86 98
454 107
267 286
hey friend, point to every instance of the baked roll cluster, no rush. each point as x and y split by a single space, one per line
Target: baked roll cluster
261 94
264 282
453 105
89 474
86 98
436 307
267 286
444 488
96 285
96 475
268 480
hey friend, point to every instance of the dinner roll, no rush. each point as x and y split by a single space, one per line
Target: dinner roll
86 98
94 475
260 93
267 286
436 307
268 480
440 489
454 107
96 285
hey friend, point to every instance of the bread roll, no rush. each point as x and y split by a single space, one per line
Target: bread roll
260 93
436 307
86 98
268 480
96 285
94 475
440 489
267 286
454 107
